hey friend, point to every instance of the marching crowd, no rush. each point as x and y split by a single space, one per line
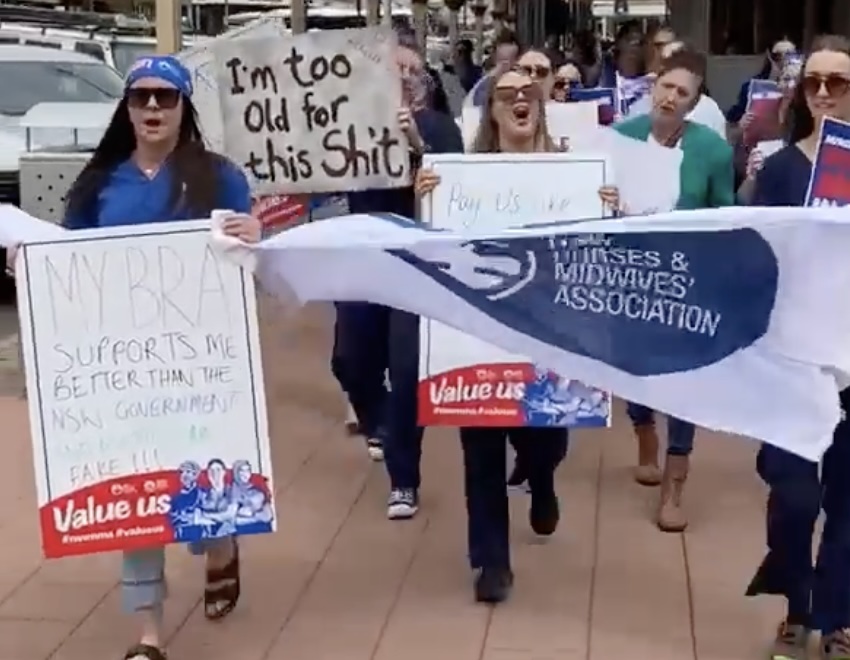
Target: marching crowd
152 166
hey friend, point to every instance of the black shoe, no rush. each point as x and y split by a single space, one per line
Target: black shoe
493 584
544 512
518 478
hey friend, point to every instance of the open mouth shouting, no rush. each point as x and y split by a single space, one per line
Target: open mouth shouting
521 112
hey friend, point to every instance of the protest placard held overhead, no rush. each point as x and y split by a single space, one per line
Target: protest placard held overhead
315 112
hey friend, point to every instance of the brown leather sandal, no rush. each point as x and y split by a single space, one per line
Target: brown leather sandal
223 588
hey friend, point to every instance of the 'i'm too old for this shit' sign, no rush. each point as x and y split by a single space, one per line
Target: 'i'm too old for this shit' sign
316 112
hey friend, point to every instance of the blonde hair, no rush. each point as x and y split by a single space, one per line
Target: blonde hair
487 136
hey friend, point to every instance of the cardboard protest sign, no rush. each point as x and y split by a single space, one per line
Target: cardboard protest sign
145 384
200 60
830 181
316 112
464 381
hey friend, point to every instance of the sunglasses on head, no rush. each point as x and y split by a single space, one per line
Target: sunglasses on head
836 85
166 98
512 94
535 70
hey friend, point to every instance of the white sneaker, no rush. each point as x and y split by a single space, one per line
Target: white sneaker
375 448
402 504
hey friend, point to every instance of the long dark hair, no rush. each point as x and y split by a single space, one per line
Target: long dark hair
799 123
195 169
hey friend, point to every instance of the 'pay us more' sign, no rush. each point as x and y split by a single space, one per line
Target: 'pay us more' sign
315 112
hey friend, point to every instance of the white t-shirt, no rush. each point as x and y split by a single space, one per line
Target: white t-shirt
708 113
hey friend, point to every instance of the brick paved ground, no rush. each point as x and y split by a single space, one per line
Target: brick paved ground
340 582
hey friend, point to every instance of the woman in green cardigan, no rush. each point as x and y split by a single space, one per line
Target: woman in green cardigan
707 181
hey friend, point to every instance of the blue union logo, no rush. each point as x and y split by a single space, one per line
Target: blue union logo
647 304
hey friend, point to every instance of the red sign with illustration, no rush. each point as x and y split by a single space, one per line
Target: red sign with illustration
276 212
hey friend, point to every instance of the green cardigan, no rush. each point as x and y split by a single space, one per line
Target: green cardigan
707 173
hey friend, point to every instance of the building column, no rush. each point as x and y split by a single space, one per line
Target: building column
691 20
169 28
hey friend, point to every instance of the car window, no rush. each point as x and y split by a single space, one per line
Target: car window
125 54
95 50
26 84
43 44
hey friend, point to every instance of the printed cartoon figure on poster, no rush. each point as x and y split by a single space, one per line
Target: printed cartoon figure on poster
254 511
216 502
185 503
554 401
551 400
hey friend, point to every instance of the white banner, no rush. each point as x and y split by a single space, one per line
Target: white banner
735 319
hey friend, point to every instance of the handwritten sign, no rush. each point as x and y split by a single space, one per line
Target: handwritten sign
146 391
315 112
200 60
828 185
464 381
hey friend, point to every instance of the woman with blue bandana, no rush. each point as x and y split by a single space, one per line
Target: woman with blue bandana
152 166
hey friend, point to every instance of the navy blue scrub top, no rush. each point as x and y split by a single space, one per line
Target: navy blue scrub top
783 179
131 198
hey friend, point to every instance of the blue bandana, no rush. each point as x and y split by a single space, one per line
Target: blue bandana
164 67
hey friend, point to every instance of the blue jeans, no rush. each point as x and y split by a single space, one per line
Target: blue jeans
143 575
818 596
680 434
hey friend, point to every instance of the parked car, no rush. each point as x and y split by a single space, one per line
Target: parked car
36 77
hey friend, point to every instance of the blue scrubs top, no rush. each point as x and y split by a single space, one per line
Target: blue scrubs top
131 198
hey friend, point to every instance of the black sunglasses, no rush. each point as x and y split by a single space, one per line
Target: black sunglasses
166 98
535 71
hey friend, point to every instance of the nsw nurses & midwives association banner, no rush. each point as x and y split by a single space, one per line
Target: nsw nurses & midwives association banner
736 319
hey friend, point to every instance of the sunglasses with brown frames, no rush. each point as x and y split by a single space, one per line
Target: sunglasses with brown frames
836 85
512 94
165 98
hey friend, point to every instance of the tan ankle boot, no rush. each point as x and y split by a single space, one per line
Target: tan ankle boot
647 472
671 515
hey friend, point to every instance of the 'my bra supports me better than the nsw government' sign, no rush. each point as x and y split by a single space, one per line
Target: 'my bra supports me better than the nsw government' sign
146 391
316 112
